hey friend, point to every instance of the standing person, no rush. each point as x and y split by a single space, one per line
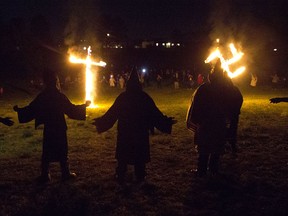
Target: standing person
159 81
190 80
200 79
275 81
136 112
121 82
48 108
207 119
176 81
112 81
254 79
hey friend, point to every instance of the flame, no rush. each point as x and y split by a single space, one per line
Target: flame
90 77
225 63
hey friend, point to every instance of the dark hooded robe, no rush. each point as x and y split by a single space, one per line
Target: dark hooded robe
48 108
234 104
208 114
135 112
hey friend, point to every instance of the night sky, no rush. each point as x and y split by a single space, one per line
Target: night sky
153 18
257 27
142 18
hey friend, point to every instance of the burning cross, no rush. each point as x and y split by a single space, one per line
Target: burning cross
236 56
90 87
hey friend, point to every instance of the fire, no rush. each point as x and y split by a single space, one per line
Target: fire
225 63
90 77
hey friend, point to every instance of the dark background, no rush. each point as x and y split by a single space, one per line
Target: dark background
37 34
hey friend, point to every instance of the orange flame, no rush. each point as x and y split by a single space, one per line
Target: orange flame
225 63
90 77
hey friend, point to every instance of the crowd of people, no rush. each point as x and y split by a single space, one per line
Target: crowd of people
213 117
153 77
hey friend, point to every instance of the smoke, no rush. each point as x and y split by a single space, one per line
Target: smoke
83 24
245 23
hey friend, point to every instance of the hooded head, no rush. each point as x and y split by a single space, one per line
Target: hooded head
217 72
50 79
133 83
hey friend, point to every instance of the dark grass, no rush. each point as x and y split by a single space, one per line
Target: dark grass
254 183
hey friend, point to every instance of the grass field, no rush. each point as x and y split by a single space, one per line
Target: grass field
254 183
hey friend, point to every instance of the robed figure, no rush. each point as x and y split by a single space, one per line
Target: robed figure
207 118
136 113
49 108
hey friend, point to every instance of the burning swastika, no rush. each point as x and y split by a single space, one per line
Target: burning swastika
225 63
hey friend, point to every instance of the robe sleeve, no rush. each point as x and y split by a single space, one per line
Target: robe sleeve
28 113
160 121
164 124
25 114
77 112
107 121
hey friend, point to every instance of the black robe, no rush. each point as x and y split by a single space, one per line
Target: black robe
48 108
235 101
136 112
207 115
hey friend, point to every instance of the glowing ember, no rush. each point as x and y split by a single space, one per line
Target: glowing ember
90 79
225 63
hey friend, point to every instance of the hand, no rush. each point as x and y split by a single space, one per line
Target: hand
94 122
173 120
275 100
7 121
88 102
16 108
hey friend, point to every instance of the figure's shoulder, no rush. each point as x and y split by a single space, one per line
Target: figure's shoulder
40 95
122 95
58 95
145 94
135 96
204 87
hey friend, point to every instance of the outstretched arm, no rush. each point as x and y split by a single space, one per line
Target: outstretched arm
7 121
278 100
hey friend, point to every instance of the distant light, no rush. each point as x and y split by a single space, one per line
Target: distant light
275 50
84 48
157 44
217 40
163 44
108 35
144 70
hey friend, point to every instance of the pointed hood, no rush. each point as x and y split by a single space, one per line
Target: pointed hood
217 72
133 82
49 77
